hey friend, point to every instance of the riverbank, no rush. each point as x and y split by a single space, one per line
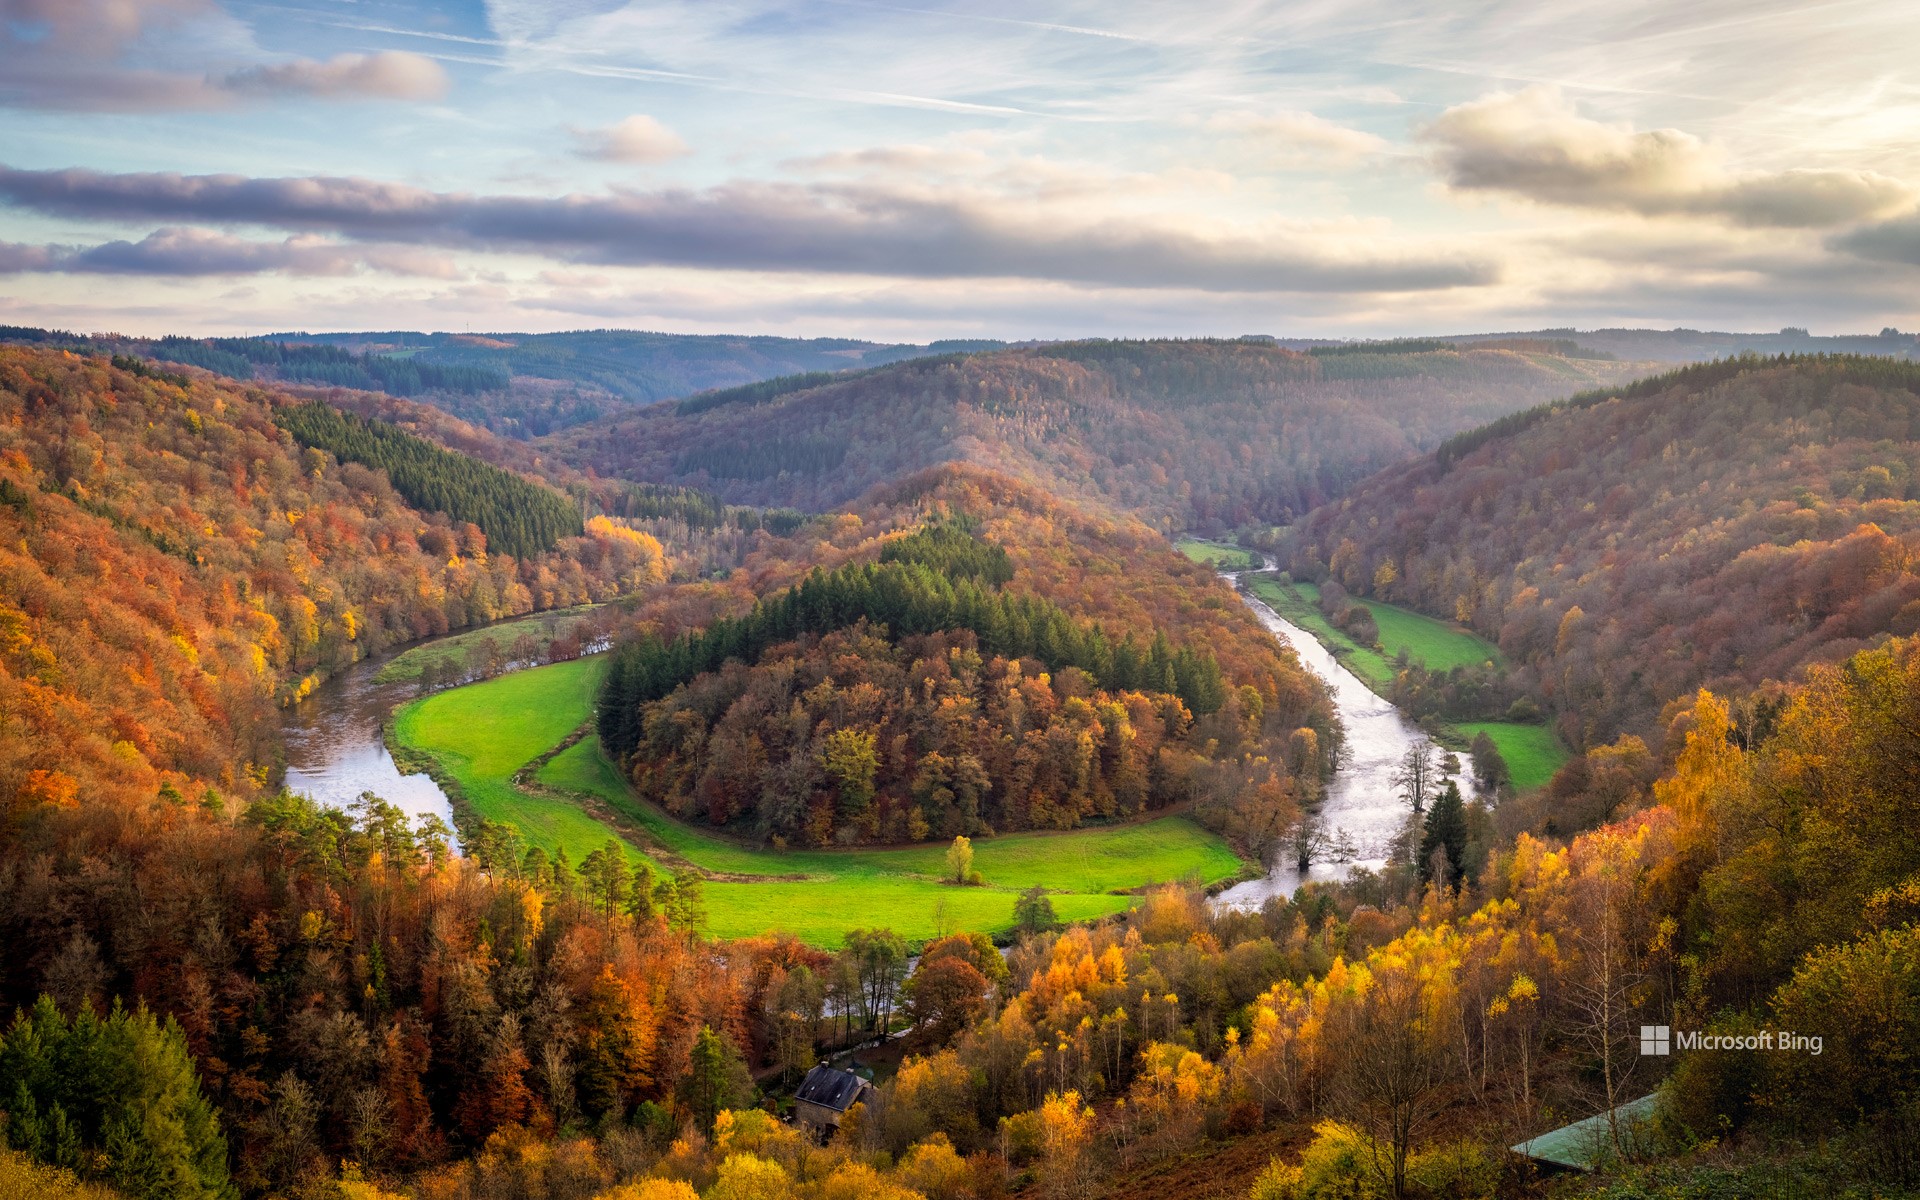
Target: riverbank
1532 752
513 749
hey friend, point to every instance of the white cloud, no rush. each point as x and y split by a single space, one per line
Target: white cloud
1295 138
638 139
1533 144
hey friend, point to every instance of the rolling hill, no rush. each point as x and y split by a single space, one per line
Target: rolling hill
174 563
1209 435
1719 526
516 384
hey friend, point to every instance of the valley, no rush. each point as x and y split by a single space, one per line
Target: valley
482 735
714 771
796 600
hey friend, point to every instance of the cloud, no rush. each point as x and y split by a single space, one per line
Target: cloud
1533 144
201 252
1297 138
17 259
88 28
388 75
1888 241
834 228
99 56
638 139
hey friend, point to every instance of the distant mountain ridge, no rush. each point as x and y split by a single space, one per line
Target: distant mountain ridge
517 384
1187 434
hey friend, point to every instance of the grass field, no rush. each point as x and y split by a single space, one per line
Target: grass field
1297 603
1216 555
1435 643
481 734
1532 752
453 652
1083 860
484 733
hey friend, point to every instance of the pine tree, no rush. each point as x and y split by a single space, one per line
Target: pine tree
716 1078
1446 833
117 1098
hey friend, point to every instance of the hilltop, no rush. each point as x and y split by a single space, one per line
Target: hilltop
1209 435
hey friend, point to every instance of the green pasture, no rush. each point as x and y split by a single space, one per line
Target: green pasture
1216 555
1100 859
1437 644
1532 752
482 734
1299 603
454 652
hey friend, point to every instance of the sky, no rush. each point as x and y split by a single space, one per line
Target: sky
924 169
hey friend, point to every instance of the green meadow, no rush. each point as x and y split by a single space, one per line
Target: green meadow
1216 555
1299 604
452 653
1532 752
482 734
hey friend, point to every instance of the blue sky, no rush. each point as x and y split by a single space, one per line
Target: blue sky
928 169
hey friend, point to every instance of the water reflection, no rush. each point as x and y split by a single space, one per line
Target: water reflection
335 750
1360 800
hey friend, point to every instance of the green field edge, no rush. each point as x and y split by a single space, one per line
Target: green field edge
1532 752
568 795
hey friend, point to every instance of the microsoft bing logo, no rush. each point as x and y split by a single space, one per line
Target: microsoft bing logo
1656 1039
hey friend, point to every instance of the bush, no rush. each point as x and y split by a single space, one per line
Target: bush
1456 1171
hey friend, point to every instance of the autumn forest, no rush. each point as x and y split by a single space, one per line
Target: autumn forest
960 771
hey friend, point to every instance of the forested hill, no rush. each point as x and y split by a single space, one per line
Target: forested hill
173 564
1719 526
962 653
1187 434
516 384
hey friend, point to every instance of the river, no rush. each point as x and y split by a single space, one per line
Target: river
1360 800
335 751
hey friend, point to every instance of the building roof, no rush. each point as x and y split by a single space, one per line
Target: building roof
1581 1145
830 1088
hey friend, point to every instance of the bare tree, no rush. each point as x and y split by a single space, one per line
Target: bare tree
1604 989
1418 775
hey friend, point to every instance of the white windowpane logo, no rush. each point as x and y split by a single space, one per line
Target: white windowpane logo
1656 1039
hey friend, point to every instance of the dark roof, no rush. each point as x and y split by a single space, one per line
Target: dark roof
830 1088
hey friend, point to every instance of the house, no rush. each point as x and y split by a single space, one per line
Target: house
1584 1144
826 1095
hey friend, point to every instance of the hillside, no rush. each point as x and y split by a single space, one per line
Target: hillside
981 657
1681 345
173 564
516 384
1719 526
1185 434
